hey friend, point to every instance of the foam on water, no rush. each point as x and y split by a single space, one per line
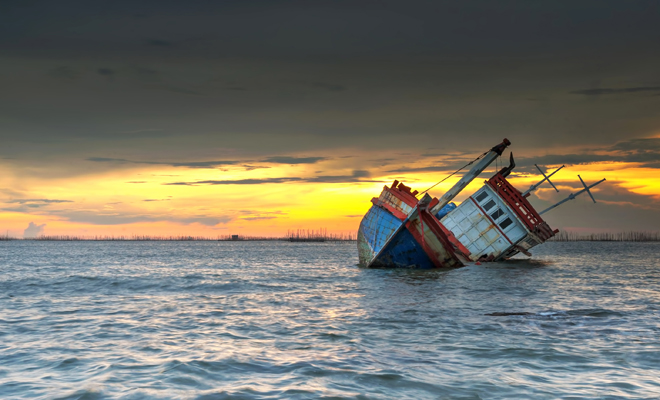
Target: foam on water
270 320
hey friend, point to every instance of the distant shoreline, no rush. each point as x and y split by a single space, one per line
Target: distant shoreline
65 238
562 236
630 236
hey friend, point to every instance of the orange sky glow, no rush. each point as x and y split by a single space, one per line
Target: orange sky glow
142 200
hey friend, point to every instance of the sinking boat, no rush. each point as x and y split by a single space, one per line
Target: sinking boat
496 222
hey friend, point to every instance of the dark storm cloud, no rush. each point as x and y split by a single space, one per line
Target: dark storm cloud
599 92
329 28
293 160
417 75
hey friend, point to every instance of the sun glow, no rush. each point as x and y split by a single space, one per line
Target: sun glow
268 200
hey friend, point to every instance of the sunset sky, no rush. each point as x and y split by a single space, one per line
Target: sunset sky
255 117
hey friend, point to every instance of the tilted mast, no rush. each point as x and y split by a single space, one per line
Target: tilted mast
574 195
471 175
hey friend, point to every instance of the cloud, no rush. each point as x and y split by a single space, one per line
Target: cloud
26 205
160 43
146 74
644 144
116 218
199 164
448 164
65 72
333 87
192 164
605 91
250 215
47 201
176 89
238 182
643 151
356 176
207 221
113 160
107 72
33 230
253 167
420 169
617 208
293 160
265 217
142 131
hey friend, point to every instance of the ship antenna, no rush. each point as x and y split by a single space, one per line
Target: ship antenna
457 171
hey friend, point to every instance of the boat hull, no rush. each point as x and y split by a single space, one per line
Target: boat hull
417 241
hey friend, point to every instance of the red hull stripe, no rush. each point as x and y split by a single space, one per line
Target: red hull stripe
447 253
419 239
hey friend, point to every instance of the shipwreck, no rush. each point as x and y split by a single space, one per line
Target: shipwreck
496 222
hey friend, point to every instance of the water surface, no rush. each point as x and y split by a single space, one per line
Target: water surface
271 320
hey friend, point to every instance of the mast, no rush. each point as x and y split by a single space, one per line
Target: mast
574 195
545 178
470 175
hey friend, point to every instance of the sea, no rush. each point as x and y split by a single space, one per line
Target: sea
279 320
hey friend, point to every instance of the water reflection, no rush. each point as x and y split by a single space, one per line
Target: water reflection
280 320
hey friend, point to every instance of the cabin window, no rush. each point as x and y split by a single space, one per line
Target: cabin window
498 213
489 205
482 196
506 223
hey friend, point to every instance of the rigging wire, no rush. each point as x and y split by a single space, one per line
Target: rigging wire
457 171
